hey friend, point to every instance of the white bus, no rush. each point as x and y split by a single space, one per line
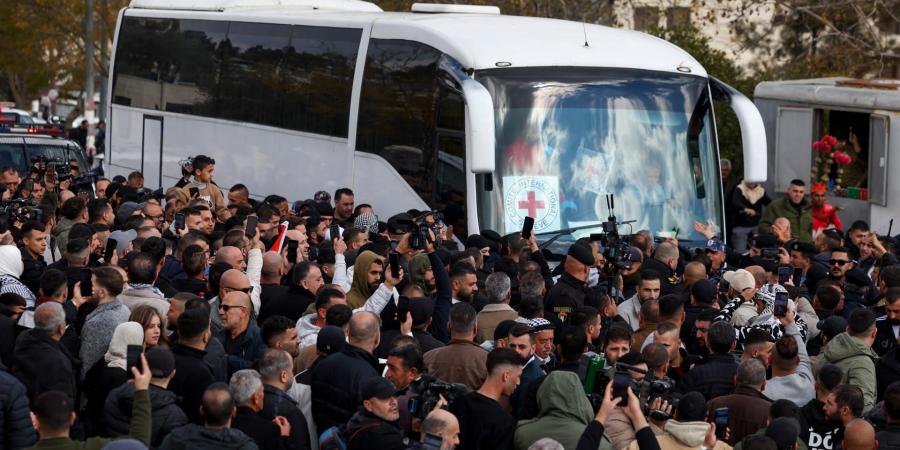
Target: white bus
486 117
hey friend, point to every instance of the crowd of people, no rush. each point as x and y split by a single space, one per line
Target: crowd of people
198 318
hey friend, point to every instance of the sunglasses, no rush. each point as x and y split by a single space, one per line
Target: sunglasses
246 290
838 262
227 308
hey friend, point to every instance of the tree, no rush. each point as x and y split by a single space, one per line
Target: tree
42 43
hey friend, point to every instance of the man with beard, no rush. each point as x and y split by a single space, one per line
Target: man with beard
823 214
793 207
816 430
373 425
842 406
648 289
888 325
463 283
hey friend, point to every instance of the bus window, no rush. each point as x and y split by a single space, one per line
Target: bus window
249 90
318 79
140 61
192 86
397 110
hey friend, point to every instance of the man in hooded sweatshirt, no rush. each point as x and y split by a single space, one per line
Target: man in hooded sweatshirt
689 428
11 268
563 416
852 352
367 272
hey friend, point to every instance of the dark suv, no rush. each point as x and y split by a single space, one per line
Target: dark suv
21 150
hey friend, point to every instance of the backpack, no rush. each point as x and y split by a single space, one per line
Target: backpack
335 438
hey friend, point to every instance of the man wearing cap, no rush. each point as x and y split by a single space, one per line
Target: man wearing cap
793 207
717 253
569 292
828 328
166 414
372 426
743 285
543 330
823 214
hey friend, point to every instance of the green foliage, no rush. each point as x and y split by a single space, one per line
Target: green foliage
718 65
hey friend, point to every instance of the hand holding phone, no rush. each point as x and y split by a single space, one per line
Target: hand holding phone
781 304
621 383
527 227
292 246
110 250
195 192
721 421
334 233
250 230
394 263
178 223
784 274
133 357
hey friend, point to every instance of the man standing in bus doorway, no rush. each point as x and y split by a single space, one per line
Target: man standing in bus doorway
794 208
823 214
204 167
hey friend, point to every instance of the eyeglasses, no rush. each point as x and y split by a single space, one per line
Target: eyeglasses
230 307
838 262
246 290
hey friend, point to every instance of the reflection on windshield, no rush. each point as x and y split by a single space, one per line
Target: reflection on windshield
565 140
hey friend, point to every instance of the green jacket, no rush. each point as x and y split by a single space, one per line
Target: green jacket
140 430
801 222
565 413
857 360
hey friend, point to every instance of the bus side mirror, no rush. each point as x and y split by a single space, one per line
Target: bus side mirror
479 126
753 132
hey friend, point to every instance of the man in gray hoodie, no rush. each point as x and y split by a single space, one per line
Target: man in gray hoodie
792 376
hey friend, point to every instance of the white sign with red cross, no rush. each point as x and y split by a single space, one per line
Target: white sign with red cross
534 196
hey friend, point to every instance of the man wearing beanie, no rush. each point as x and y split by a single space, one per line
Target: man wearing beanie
166 414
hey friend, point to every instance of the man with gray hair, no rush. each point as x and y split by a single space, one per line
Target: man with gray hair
247 390
748 408
276 371
499 292
42 363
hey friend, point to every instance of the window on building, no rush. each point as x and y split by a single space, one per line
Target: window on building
646 17
678 17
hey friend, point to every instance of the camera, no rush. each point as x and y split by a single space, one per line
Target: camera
430 394
419 236
19 211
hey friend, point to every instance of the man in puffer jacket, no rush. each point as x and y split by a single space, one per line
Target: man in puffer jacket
166 414
688 430
15 422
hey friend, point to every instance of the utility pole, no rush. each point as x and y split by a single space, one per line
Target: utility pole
88 59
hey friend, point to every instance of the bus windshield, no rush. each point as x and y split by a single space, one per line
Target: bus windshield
566 137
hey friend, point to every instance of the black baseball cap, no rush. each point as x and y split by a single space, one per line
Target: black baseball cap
377 387
832 326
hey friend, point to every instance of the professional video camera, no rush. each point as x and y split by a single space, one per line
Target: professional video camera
430 394
420 237
61 169
596 377
18 211
616 250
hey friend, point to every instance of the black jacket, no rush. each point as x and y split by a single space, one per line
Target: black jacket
884 337
167 416
197 437
8 329
192 377
566 295
98 383
889 437
291 304
426 341
42 365
367 431
887 371
713 377
244 350
269 292
266 434
15 422
278 403
335 385
815 429
34 268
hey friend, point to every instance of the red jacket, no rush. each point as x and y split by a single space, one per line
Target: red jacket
824 216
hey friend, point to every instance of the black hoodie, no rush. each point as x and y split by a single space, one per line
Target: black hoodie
815 429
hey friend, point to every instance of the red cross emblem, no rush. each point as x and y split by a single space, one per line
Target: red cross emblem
531 204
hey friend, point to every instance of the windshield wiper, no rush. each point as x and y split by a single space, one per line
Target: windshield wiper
564 232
